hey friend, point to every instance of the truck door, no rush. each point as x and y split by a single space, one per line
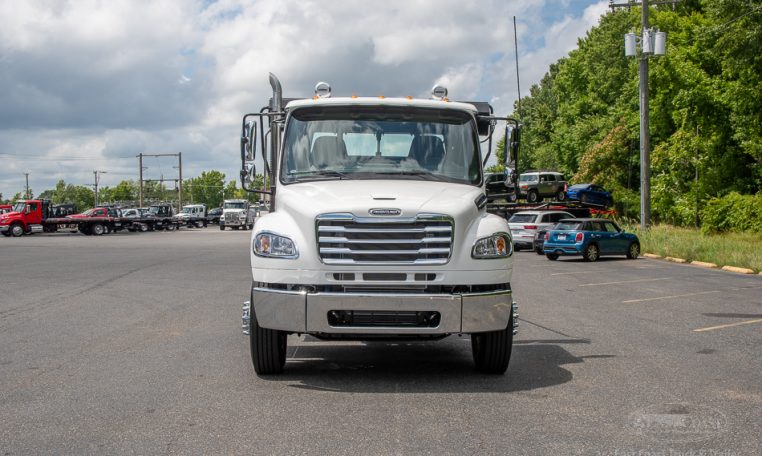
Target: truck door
33 213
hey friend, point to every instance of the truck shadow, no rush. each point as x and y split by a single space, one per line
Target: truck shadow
433 367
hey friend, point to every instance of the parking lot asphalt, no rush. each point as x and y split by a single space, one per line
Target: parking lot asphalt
130 343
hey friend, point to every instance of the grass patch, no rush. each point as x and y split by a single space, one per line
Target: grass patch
726 249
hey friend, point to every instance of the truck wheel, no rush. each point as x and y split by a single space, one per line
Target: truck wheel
170 227
199 224
633 251
561 195
268 348
591 253
222 227
533 196
97 229
551 256
17 230
236 228
539 251
492 350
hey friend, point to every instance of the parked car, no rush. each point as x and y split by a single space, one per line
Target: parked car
524 225
213 216
590 193
499 186
135 213
535 185
590 238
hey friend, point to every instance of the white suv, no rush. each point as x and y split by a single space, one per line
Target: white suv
524 225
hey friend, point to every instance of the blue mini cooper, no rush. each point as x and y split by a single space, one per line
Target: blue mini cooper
590 238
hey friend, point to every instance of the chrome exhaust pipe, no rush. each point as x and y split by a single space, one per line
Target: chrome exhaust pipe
277 93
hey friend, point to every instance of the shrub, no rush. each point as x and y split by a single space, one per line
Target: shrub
733 212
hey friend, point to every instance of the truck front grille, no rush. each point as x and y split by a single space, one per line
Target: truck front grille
344 239
378 318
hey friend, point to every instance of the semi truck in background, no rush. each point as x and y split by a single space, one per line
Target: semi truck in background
193 215
378 225
237 214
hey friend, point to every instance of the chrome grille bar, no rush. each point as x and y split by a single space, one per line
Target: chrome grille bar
344 239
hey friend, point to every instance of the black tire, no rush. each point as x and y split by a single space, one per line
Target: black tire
539 251
591 253
143 227
97 229
268 348
561 195
551 256
170 227
17 230
533 196
222 227
199 224
492 350
633 251
516 248
236 228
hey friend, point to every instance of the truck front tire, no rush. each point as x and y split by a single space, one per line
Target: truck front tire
17 230
492 350
268 348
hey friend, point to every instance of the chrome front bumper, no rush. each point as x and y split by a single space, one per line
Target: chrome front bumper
303 312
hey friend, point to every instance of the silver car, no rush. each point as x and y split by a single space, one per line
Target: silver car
524 225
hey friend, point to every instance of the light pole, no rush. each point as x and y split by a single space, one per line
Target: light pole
26 194
652 42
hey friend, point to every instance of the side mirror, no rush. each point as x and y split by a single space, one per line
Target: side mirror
248 174
249 141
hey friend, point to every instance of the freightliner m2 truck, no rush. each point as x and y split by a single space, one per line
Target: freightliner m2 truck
378 225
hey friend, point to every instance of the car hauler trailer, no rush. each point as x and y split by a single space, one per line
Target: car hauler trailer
33 216
378 225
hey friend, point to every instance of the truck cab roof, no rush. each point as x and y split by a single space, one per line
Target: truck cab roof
382 101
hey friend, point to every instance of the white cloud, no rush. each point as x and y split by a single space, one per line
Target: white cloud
109 80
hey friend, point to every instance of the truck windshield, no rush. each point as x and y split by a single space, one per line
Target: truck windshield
387 142
186 210
19 207
235 205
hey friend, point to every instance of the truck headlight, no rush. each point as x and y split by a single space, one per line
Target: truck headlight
274 246
496 246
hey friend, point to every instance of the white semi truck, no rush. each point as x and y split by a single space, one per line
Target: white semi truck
378 226
237 214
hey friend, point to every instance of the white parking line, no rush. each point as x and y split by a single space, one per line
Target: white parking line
729 325
624 281
629 301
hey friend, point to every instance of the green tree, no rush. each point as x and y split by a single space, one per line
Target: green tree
206 188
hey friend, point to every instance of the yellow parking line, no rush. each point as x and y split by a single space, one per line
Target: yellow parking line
729 325
624 281
670 297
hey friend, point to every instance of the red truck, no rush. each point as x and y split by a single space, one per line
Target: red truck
5 208
33 216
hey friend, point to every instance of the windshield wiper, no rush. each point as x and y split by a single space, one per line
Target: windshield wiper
321 172
428 174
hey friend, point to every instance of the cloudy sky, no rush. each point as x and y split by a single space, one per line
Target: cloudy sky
87 85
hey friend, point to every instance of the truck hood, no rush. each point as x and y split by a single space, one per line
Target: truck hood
9 215
310 199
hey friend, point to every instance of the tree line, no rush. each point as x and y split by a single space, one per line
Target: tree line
209 188
582 118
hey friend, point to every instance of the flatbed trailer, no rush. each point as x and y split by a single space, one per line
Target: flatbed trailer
576 208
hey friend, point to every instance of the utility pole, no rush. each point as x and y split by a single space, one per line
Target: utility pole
97 178
652 43
140 166
26 193
180 182
645 133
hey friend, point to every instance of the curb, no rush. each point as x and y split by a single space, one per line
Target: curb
701 264
676 260
738 270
